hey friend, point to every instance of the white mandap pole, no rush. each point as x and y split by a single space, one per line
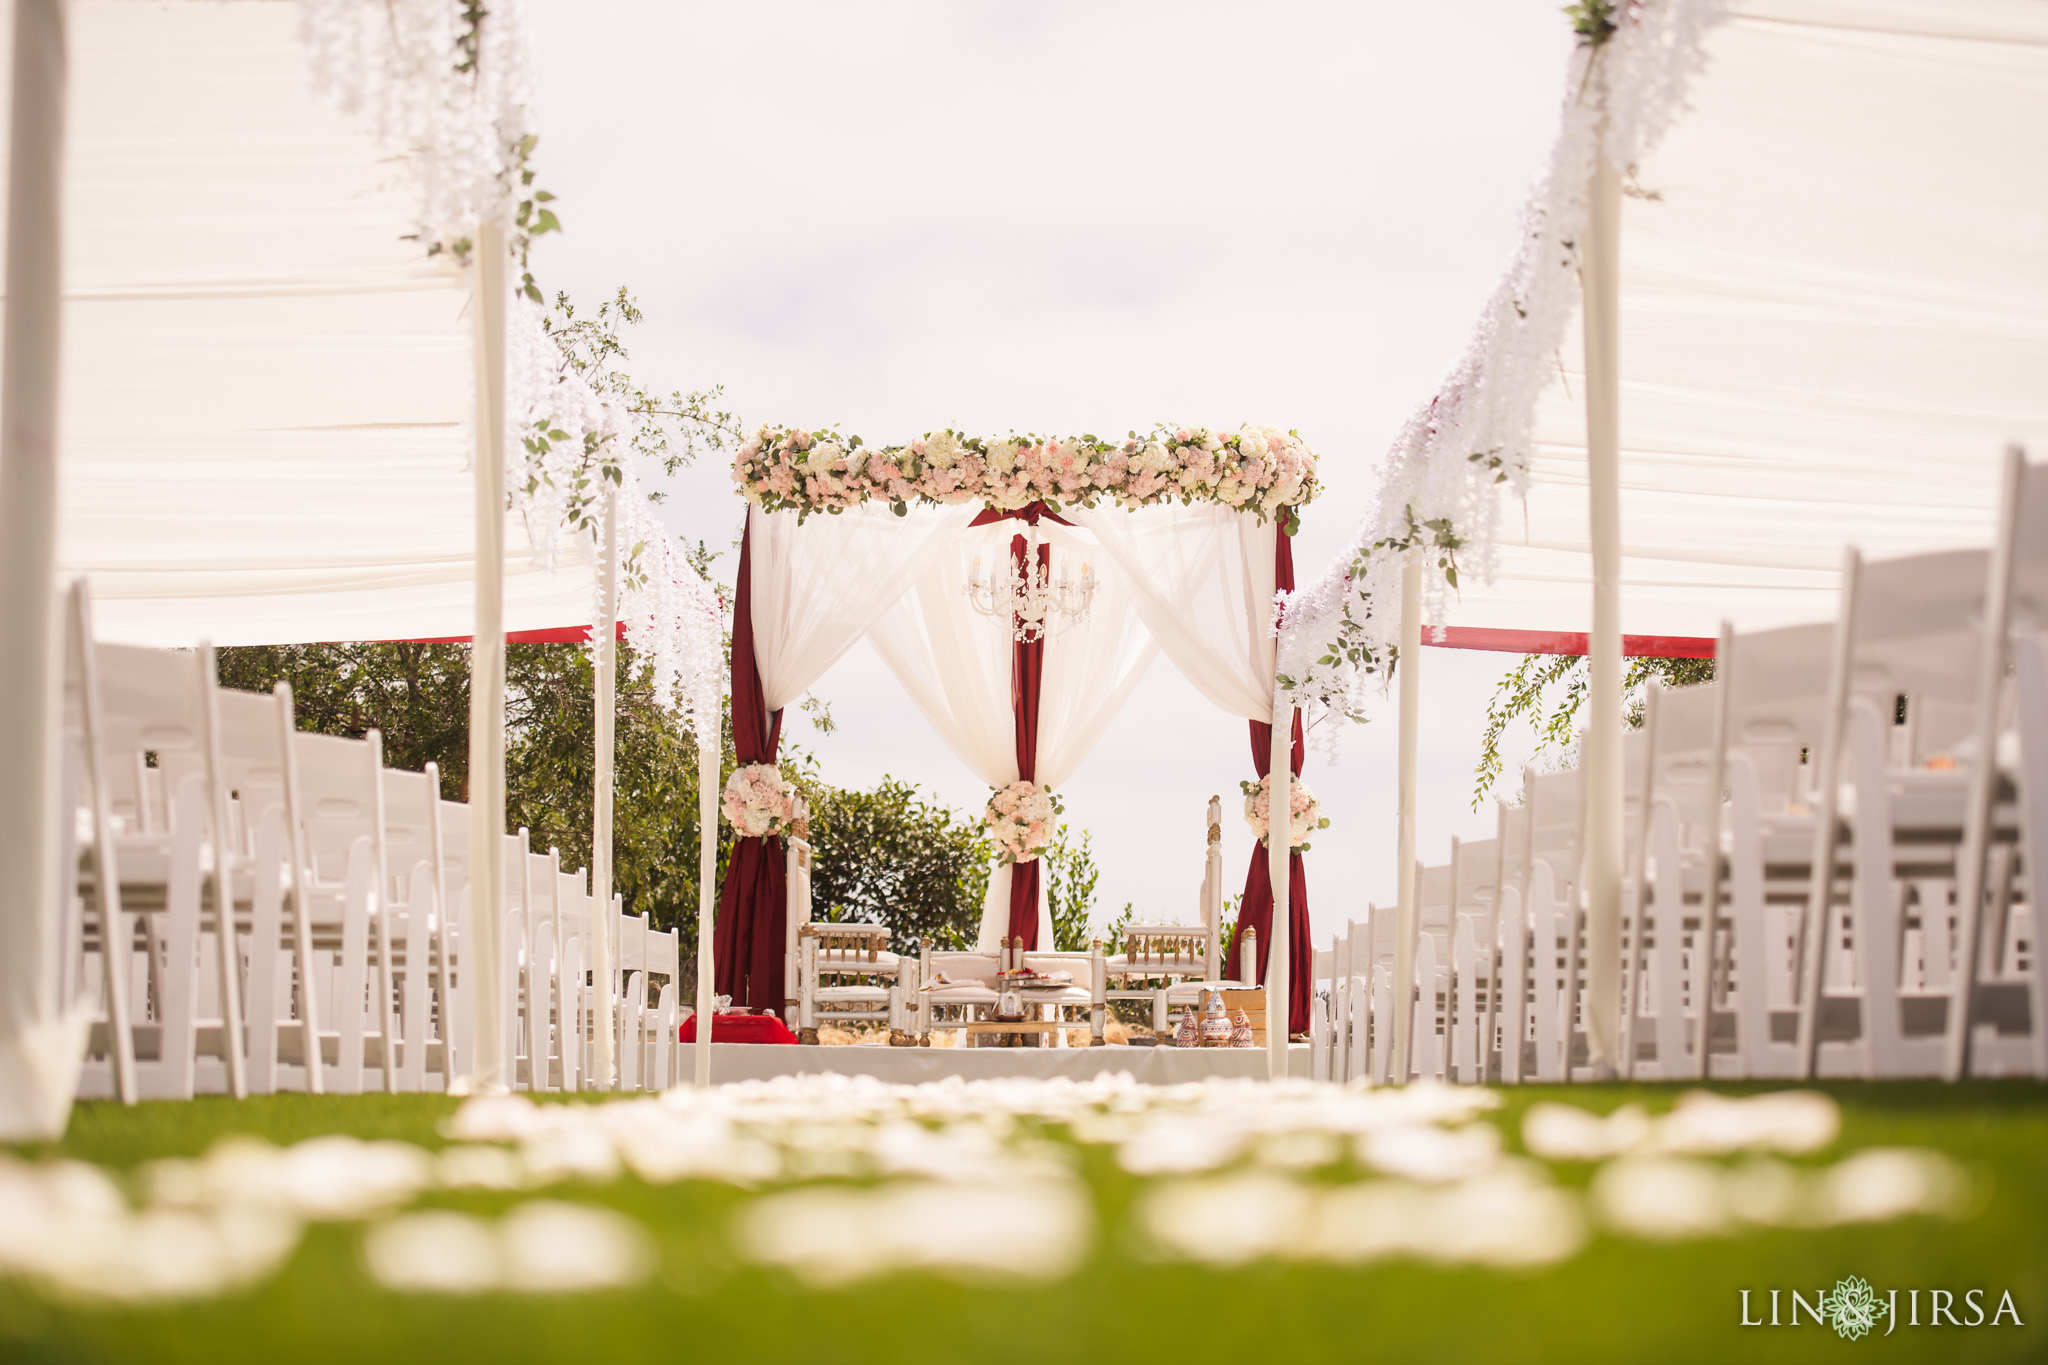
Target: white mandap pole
707 882
1279 864
487 675
606 709
1601 281
1407 917
36 1076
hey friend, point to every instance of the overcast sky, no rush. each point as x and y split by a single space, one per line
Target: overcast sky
1067 217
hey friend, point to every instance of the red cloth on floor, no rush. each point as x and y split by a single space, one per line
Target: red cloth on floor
741 1028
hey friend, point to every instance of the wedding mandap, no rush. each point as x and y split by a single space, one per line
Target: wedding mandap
1018 589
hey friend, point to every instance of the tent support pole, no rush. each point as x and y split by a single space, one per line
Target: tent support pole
1601 279
1279 864
31 882
1407 915
707 884
487 674
606 713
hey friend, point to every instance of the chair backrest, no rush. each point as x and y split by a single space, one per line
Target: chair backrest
1917 623
1478 867
411 805
338 791
1779 682
152 708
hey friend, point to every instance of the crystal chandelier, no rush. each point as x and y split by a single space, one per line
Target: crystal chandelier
1028 597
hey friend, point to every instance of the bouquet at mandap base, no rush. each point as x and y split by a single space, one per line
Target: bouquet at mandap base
1022 818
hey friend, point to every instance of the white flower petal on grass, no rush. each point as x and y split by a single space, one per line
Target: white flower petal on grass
494 1118
1227 1220
1510 1216
434 1252
1888 1182
1431 1154
836 1236
584 1152
1706 1124
1563 1132
1168 1143
474 1166
321 1179
1662 1197
543 1246
555 1247
1299 1151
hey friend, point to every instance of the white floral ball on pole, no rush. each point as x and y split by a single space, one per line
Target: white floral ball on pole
1307 812
1021 818
759 801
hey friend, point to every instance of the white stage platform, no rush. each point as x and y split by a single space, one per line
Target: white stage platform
910 1065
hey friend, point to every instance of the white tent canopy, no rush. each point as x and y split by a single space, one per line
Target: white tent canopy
268 393
1834 315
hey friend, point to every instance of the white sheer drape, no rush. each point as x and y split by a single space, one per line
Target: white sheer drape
1201 578
956 665
817 588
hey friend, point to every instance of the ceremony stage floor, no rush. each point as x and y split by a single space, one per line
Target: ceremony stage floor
910 1065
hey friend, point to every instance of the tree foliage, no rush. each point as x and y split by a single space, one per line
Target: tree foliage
889 856
1547 690
1068 884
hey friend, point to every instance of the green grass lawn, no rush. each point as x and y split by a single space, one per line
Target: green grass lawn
1619 1299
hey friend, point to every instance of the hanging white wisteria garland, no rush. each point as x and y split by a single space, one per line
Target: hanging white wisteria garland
1438 494
448 86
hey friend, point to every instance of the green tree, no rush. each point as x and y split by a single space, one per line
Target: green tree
1547 690
1069 885
889 856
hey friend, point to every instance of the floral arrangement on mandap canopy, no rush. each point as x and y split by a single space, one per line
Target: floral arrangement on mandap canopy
1307 812
1021 817
759 801
1261 469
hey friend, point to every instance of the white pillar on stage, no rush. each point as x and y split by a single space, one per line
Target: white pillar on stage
1407 916
486 964
38 1074
1600 277
1280 870
707 881
606 710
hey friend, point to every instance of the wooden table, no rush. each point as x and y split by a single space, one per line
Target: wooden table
981 1028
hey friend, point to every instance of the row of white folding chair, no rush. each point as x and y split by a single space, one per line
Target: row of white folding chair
284 799
649 1058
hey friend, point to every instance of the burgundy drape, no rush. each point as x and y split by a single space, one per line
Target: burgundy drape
1027 667
753 905
1255 911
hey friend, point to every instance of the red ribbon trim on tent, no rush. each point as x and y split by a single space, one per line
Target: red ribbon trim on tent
552 635
1564 642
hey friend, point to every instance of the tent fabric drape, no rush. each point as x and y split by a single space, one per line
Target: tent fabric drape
1027 670
267 412
818 587
957 666
1831 320
753 902
1255 910
1202 576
